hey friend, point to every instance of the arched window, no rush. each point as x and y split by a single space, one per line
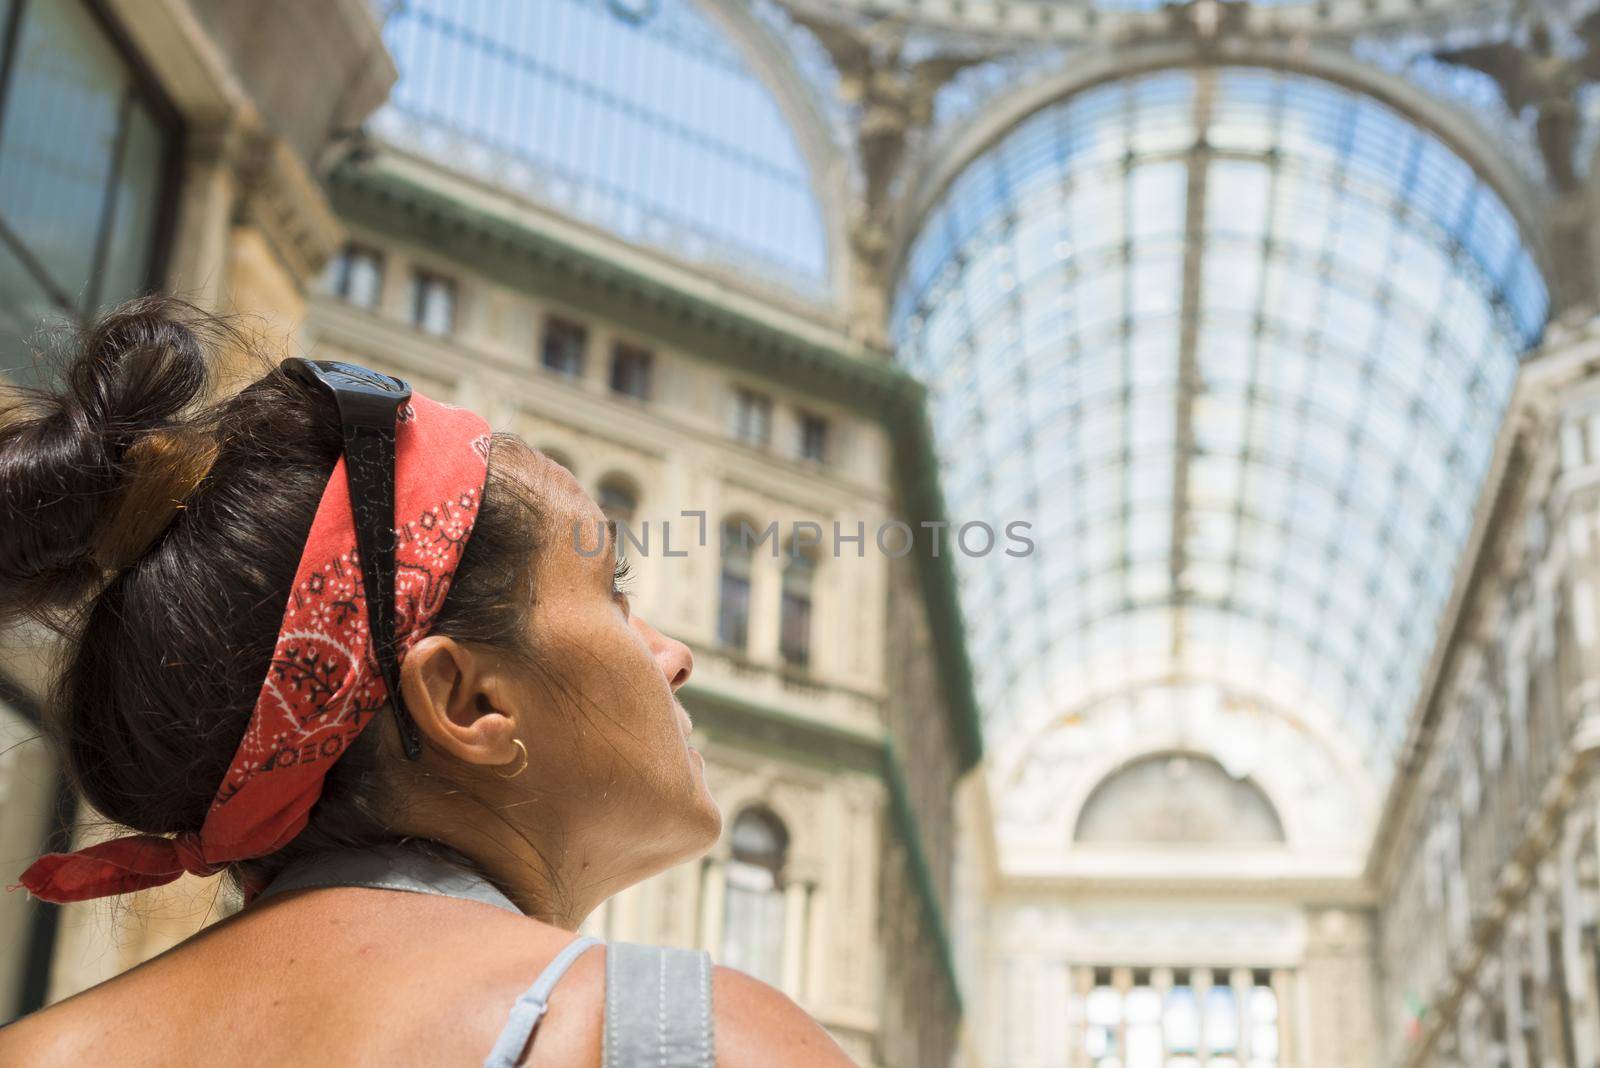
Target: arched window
617 499
560 456
620 504
794 624
753 917
733 598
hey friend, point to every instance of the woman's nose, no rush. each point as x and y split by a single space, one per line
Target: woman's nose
679 663
674 658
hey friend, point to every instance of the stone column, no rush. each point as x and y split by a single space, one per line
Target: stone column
1201 980
1078 1024
1243 982
796 899
198 256
1283 983
713 887
1161 981
1122 982
766 585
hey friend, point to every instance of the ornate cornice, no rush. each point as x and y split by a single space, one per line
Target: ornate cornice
278 195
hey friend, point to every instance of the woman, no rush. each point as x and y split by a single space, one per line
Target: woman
244 586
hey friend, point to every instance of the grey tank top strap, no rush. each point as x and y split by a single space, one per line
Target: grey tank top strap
531 1006
658 1008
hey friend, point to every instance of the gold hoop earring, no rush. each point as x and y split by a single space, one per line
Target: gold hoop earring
522 765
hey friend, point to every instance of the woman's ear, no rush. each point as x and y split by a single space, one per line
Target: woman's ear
454 694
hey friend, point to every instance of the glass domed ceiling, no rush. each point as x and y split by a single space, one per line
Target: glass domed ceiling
1237 343
641 116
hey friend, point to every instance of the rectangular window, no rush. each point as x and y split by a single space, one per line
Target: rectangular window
630 370
86 153
357 276
794 629
813 437
753 924
733 610
752 416
563 346
794 617
433 303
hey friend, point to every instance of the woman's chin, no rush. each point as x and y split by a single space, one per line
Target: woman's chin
705 817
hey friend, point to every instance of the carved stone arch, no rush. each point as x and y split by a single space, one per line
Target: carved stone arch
758 792
969 142
829 167
1276 780
1317 725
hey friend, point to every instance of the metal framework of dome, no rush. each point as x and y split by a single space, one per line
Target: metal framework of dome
1237 342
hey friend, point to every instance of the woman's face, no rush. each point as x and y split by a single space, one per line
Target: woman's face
610 765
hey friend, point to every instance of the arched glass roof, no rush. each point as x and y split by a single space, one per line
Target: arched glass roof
641 117
1236 342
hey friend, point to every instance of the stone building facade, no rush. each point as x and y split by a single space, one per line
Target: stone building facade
1489 861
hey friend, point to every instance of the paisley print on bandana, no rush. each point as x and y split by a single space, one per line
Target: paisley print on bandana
323 686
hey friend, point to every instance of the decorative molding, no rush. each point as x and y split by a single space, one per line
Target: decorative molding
279 197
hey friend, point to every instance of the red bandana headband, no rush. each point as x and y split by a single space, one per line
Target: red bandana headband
323 686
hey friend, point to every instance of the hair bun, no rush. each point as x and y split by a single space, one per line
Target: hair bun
90 473
164 468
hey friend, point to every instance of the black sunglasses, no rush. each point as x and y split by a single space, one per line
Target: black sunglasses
369 405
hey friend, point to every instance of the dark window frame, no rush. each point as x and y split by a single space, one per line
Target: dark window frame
797 611
809 421
421 280
578 355
733 590
345 257
745 402
642 360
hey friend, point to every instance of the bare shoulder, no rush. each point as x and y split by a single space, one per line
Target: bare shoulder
759 1025
60 1035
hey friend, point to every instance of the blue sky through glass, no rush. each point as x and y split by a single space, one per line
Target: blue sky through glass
656 129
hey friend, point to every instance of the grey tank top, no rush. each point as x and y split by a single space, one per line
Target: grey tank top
658 1000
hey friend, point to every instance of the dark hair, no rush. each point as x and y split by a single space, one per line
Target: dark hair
171 621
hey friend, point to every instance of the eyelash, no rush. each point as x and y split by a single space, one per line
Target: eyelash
622 579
